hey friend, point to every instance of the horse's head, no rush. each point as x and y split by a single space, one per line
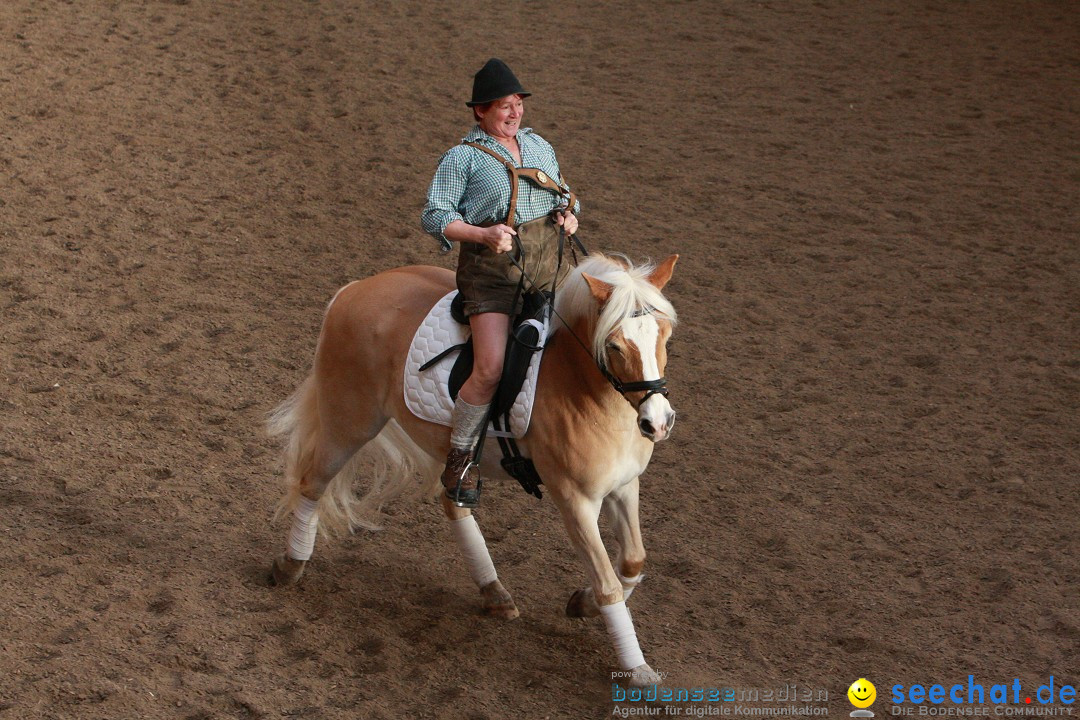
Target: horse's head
630 340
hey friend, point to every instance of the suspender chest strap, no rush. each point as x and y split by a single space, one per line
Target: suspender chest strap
534 175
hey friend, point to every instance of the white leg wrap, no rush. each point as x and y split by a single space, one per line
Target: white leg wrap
471 542
305 525
628 584
621 629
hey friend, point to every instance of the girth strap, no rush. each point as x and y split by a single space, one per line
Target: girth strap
535 175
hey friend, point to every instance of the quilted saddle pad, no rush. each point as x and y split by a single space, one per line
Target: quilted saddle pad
426 393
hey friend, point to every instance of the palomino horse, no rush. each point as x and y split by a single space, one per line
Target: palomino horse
591 434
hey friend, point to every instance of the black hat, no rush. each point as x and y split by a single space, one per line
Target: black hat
495 80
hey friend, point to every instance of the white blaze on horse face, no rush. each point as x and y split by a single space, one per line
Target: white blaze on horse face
655 416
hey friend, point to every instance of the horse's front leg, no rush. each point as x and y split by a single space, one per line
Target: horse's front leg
580 514
497 601
621 507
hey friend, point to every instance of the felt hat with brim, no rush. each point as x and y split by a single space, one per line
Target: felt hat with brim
493 81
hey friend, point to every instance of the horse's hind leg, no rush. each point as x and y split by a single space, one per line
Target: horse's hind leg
497 601
308 490
622 508
322 439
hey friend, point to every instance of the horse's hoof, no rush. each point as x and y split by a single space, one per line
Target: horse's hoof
581 605
643 676
502 612
497 602
286 571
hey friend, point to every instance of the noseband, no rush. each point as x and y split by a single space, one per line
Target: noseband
652 387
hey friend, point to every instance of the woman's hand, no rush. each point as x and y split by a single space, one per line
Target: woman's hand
499 238
568 220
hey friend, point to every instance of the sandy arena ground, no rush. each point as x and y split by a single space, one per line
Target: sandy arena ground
875 468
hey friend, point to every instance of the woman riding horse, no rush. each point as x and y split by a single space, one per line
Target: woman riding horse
601 398
471 202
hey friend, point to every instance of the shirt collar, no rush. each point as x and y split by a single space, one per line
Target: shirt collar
478 135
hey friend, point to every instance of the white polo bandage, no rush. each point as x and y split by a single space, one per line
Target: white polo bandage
305 526
474 549
621 630
628 584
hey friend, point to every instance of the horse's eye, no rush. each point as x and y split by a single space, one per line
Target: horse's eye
612 347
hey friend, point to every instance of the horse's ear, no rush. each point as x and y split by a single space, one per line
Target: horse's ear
599 289
660 276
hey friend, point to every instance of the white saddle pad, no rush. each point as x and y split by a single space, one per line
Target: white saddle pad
426 393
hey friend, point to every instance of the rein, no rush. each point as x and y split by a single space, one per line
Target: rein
651 387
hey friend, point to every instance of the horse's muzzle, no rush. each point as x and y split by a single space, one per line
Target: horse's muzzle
657 431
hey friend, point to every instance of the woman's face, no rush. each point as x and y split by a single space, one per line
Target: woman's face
503 117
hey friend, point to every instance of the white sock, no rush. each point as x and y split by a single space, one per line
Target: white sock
621 631
628 584
305 526
471 542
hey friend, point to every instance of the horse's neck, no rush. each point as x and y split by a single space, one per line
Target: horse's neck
581 427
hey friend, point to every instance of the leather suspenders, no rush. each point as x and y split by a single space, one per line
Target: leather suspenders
536 176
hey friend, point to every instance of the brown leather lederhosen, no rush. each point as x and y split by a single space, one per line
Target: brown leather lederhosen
488 281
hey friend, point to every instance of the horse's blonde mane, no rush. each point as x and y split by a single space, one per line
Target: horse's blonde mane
631 292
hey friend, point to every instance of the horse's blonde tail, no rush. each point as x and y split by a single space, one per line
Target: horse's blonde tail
400 469
397 466
297 421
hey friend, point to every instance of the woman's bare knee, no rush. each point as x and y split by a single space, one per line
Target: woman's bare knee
489 346
488 372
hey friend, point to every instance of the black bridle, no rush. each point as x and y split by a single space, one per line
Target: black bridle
651 387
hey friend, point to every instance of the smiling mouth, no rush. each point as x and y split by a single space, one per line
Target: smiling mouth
860 698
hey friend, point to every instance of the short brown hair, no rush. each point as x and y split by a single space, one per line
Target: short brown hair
485 107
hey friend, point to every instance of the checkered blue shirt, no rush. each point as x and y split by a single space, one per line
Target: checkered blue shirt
472 186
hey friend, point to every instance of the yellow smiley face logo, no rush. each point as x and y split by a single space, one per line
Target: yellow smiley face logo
862 693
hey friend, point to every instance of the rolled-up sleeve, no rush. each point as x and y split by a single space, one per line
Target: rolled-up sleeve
444 197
